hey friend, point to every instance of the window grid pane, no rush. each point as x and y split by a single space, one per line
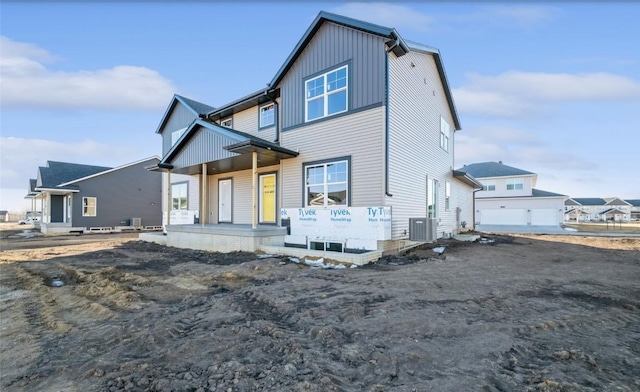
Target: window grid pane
327 184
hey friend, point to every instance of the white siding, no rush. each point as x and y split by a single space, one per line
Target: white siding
358 135
501 187
416 102
193 191
247 121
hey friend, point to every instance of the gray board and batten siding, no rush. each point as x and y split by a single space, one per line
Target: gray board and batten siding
333 45
130 192
206 146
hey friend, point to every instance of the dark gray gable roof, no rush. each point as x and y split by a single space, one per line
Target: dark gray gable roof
324 16
396 43
198 109
615 201
633 202
257 98
241 138
540 193
56 173
493 169
590 201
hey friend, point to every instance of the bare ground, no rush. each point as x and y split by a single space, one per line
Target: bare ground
523 313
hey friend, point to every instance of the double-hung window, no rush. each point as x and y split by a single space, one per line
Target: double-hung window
327 94
489 185
267 115
327 184
89 206
179 196
445 134
515 183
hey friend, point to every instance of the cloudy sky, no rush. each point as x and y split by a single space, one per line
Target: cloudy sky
552 88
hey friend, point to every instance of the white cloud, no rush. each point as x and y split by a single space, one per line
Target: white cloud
515 93
27 82
388 15
21 157
516 148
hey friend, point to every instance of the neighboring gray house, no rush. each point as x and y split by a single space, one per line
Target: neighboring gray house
84 198
351 142
586 209
509 197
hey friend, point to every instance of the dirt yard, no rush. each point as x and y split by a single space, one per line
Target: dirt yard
522 313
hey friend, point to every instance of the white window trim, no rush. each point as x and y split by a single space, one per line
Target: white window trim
186 196
445 134
228 120
325 95
260 111
326 184
85 206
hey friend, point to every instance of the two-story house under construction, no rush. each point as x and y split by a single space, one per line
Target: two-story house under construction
350 148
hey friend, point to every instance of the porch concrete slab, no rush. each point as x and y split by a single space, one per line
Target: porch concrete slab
352 258
224 238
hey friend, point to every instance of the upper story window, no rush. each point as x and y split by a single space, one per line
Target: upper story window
179 196
227 122
488 185
89 206
445 133
175 135
327 184
515 183
267 115
327 94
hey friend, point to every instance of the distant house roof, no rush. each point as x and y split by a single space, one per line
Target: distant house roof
103 172
589 201
541 193
197 108
56 173
633 202
493 169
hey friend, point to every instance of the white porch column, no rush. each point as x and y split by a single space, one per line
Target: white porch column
254 180
168 197
204 197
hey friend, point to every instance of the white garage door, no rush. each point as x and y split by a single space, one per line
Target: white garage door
544 217
503 216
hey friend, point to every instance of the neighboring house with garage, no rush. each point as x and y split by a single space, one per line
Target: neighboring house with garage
589 209
350 143
509 197
635 208
85 198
